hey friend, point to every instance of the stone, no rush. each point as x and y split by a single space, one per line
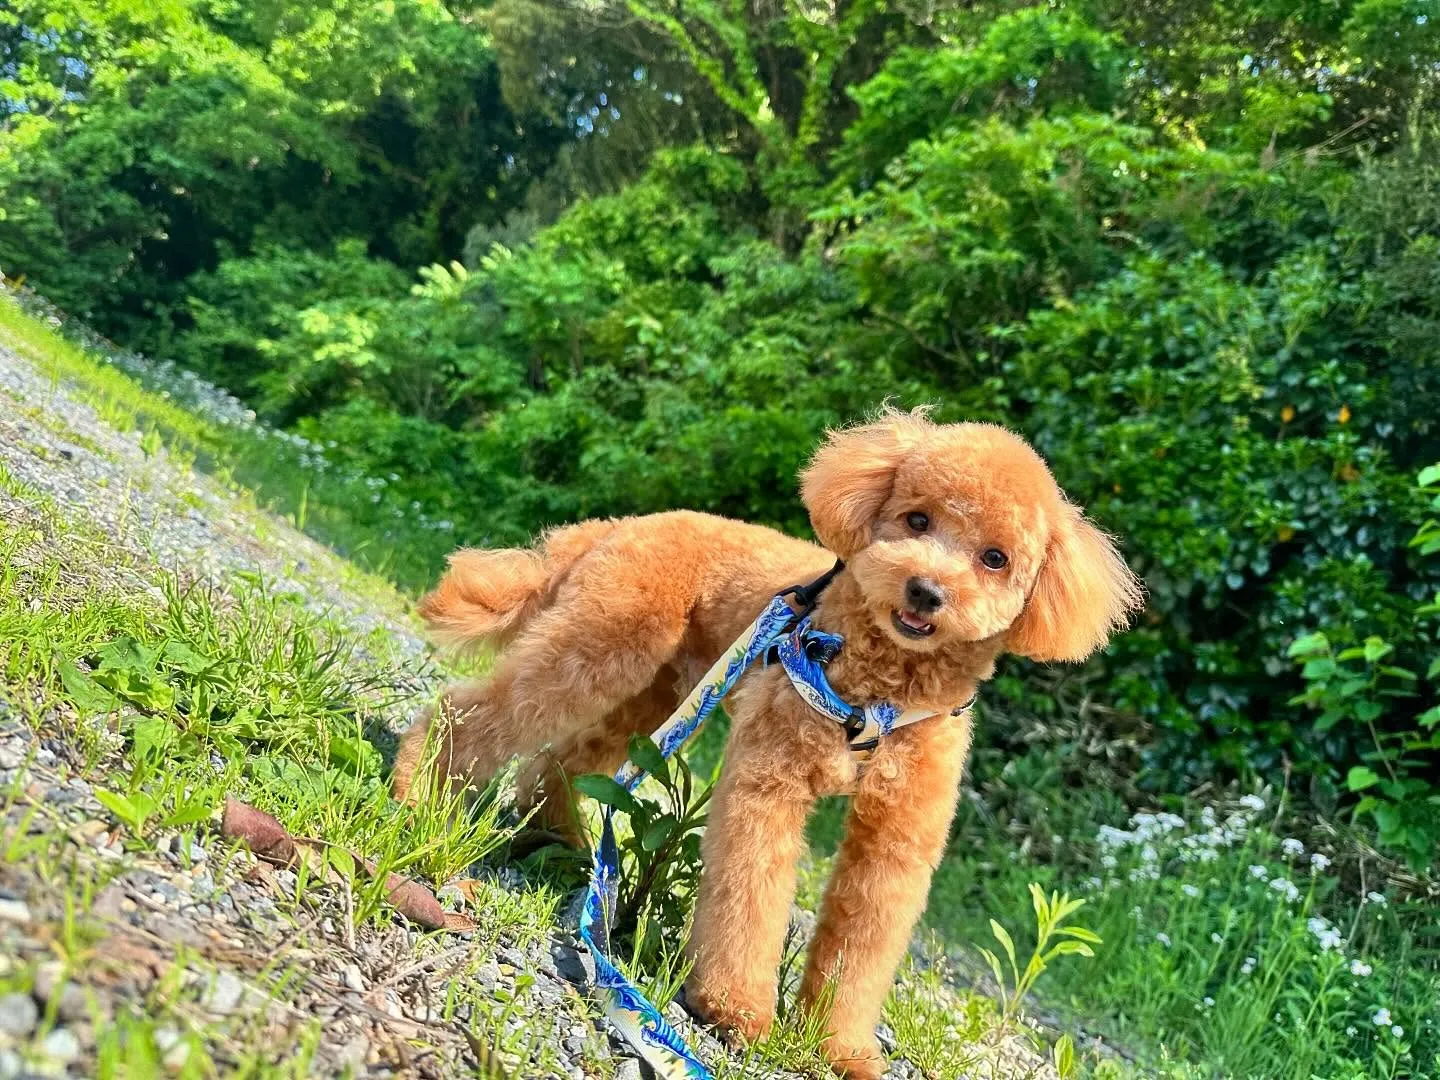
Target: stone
572 965
14 911
629 1069
61 1045
18 1015
69 999
224 994
353 979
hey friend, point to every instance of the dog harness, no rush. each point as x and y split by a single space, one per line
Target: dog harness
781 634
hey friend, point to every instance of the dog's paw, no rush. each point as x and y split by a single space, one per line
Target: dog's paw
736 1019
855 1058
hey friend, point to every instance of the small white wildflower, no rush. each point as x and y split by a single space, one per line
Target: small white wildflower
1163 939
1207 816
1259 873
1375 898
1109 862
1216 938
1189 890
1253 803
1359 968
1318 862
1286 889
1209 1003
1381 1017
1351 1031
1397 1031
1292 847
1248 966
1148 854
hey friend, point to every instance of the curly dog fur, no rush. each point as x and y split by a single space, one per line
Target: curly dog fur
608 624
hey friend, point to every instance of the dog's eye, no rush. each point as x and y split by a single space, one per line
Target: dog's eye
917 521
994 559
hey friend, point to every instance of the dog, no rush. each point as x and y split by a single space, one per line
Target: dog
958 546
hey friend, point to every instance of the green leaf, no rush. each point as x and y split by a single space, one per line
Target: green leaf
1069 948
85 693
1003 937
1307 644
644 753
1063 1055
1360 777
1429 475
182 657
604 790
658 832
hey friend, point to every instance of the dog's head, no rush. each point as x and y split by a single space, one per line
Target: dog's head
958 533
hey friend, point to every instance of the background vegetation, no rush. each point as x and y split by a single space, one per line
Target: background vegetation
494 267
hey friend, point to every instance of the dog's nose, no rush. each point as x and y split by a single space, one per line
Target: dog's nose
923 595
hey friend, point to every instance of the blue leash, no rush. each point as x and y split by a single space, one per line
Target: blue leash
640 1022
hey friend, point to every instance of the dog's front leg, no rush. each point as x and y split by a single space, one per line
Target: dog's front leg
753 840
895 835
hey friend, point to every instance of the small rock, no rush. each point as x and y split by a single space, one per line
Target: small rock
50 984
18 1015
61 1045
10 1064
629 1070
574 1047
353 979
224 994
572 965
14 911
197 853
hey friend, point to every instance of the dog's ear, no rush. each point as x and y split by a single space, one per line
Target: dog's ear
1084 593
850 477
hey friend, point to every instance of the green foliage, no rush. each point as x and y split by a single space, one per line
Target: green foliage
1393 708
659 856
1050 915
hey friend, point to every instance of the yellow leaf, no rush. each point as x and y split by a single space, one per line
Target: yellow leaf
1284 533
1344 414
1287 414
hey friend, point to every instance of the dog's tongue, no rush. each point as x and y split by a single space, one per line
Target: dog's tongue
913 621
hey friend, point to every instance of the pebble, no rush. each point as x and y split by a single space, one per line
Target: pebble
61 1045
72 1004
353 979
224 994
14 911
10 1064
629 1070
18 1015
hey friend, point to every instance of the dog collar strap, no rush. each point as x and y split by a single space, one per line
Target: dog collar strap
804 652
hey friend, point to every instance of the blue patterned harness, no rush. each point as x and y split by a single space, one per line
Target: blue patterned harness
781 635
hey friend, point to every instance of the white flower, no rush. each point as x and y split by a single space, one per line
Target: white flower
1397 1031
1318 862
1259 873
1285 888
1163 939
1253 803
1292 847
1375 898
1209 1003
1325 934
1189 890
1381 1017
1359 968
1108 862
1350 1031
1248 966
1207 816
1216 938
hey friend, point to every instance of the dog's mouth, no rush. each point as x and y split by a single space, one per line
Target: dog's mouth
910 625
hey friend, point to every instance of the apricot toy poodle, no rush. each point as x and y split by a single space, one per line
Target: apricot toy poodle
958 546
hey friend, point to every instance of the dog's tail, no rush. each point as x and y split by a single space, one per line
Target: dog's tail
488 595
